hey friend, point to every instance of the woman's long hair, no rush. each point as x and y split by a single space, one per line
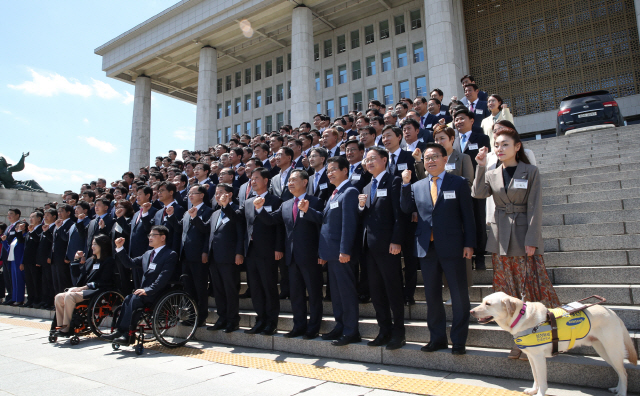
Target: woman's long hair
507 128
105 246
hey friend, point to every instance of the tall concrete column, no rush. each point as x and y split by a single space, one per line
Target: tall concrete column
140 152
636 4
206 115
302 92
446 49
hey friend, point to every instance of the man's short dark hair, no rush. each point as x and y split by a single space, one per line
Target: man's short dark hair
474 86
104 201
469 76
436 100
226 186
263 172
305 125
84 205
438 91
303 173
382 152
375 103
205 167
287 151
464 111
168 186
130 174
371 130
412 122
184 178
52 212
66 207
238 151
378 118
146 190
201 189
38 213
397 131
353 141
90 194
403 104
16 211
160 229
321 152
436 146
340 160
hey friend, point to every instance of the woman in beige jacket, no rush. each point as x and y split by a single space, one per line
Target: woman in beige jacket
515 239
499 111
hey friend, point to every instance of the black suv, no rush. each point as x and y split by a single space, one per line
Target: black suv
587 109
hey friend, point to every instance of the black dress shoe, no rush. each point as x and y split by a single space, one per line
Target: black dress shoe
44 306
458 350
346 340
409 301
231 328
332 335
310 336
432 347
295 333
283 296
8 302
480 264
246 294
28 305
65 334
269 330
256 329
219 325
396 343
364 298
380 340
113 336
126 340
327 298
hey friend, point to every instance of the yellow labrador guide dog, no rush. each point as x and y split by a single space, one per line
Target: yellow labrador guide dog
531 329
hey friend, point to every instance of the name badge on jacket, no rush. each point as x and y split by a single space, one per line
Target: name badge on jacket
402 167
521 183
473 146
333 205
381 192
225 220
449 194
152 266
478 111
428 126
450 166
269 209
323 186
356 177
96 266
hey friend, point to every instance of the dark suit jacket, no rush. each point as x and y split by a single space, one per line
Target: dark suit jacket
155 280
431 121
279 190
31 245
447 117
339 225
426 135
44 248
239 180
405 157
382 220
94 229
100 278
182 198
226 239
451 220
481 112
211 192
242 192
302 236
359 178
194 235
77 238
157 204
477 137
124 232
175 235
322 193
60 239
267 239
139 237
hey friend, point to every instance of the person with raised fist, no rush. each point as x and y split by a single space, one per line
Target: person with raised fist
33 270
140 227
59 236
122 229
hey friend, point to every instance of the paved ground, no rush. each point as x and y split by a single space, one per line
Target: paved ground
30 365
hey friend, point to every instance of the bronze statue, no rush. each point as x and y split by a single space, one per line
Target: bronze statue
7 180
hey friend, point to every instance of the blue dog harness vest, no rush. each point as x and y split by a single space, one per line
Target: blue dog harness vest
570 327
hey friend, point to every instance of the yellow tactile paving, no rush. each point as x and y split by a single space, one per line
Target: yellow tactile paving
351 377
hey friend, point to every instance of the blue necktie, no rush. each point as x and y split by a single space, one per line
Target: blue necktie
351 170
315 182
374 187
220 219
463 142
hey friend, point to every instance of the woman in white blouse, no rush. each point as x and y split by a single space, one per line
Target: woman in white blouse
499 112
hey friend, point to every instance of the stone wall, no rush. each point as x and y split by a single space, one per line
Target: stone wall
23 200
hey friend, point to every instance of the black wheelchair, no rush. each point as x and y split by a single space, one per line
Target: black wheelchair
95 315
172 320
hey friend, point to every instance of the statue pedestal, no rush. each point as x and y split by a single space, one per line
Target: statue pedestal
26 201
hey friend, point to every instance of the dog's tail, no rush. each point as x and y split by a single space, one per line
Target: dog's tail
632 355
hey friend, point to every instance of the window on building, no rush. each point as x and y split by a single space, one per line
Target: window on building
386 61
330 109
328 78
219 85
238 79
258 97
279 92
317 81
421 86
418 52
219 136
258 72
356 73
357 101
342 74
316 52
247 76
371 66
268 68
355 39
238 129
289 61
227 134
402 56
384 29
368 34
416 19
227 108
268 123
372 94
288 89
247 127
344 105
279 120
219 112
399 22
238 105
342 43
403 87
258 126
227 83
328 48
387 90
289 117
268 96
247 102
318 108
279 64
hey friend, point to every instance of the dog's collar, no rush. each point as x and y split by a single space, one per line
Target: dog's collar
520 315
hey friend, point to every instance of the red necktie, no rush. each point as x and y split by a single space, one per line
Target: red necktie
246 194
164 213
471 107
295 209
139 216
153 254
334 194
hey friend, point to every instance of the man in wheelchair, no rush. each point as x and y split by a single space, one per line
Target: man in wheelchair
158 266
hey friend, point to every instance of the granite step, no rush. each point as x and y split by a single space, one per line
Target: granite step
580 207
606 216
596 196
585 164
588 152
585 148
629 241
603 275
583 172
586 137
592 258
617 174
582 230
586 188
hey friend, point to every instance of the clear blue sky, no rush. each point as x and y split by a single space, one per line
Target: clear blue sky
56 102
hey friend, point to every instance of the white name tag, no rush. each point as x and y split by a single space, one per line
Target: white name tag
356 176
12 233
333 205
237 177
152 266
421 140
520 183
225 220
449 194
381 192
96 266
428 126
473 146
442 112
478 111
402 166
268 209
323 186
450 166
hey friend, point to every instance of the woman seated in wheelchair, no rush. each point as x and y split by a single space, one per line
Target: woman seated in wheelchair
158 266
95 273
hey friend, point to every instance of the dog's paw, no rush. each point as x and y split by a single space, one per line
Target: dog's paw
616 392
531 391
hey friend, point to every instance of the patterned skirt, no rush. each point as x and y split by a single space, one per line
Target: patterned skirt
524 277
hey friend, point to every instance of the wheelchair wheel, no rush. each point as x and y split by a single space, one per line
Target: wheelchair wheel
53 338
139 349
102 309
115 346
75 340
175 319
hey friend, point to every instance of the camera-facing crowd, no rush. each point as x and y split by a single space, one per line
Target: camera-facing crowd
367 198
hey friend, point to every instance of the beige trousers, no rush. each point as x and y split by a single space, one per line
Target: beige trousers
65 304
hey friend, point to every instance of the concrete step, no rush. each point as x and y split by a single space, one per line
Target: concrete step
587 152
607 216
582 230
625 159
630 241
577 173
586 188
583 207
599 136
593 178
609 275
557 145
626 193
592 258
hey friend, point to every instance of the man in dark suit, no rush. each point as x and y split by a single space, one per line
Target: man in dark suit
444 238
384 230
469 79
358 176
472 138
444 109
399 160
319 185
44 260
166 194
433 115
263 247
424 135
301 255
101 224
245 190
158 266
201 171
410 128
33 271
59 236
194 247
330 139
298 159
182 190
13 216
140 227
339 223
226 254
77 231
475 105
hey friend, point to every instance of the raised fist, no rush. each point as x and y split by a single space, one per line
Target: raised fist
79 254
481 158
119 242
59 222
82 216
101 223
224 199
362 199
303 205
193 212
146 206
258 202
406 176
417 154
169 210
119 212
